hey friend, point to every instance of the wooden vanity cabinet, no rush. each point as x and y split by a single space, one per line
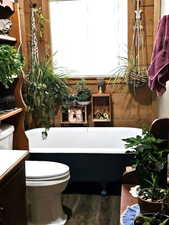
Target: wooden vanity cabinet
12 198
13 195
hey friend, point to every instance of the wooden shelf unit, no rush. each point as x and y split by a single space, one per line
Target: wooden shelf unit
14 117
101 107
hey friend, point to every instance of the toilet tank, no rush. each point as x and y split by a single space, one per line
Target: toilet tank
6 136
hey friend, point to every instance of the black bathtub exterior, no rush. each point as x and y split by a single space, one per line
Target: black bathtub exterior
90 167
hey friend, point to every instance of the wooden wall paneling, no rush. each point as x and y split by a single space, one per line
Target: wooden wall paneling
157 13
24 26
46 42
14 32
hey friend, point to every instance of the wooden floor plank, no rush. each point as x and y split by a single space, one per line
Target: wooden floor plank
92 209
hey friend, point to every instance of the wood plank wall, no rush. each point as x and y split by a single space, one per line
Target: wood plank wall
128 109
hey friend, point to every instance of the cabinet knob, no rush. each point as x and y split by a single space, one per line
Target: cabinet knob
1 215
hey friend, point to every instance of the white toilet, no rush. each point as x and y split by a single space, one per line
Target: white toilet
45 181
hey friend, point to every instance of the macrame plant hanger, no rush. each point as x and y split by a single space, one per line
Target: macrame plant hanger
139 76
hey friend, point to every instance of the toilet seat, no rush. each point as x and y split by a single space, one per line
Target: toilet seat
45 173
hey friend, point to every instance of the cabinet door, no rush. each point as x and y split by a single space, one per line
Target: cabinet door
13 200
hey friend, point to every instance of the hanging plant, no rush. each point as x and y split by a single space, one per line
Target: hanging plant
46 86
130 73
41 20
45 90
133 69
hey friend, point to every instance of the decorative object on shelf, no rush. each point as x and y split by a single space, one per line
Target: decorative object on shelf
101 85
11 63
5 26
75 115
101 116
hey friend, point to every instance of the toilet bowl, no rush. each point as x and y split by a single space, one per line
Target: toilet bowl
45 181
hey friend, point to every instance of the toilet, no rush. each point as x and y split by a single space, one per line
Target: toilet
45 181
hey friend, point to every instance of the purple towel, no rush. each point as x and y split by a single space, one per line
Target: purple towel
158 70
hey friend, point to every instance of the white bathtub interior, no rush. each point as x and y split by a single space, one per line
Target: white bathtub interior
79 139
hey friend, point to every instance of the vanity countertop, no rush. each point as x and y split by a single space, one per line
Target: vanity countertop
9 159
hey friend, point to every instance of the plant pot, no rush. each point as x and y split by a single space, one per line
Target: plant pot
83 102
156 217
147 206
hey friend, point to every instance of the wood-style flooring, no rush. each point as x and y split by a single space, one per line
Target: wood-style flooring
91 209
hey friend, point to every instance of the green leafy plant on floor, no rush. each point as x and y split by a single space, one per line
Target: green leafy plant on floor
149 157
11 63
151 219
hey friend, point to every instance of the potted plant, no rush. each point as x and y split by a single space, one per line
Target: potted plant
150 161
150 158
151 219
83 94
130 72
44 92
11 63
153 198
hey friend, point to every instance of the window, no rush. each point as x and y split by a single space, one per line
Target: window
164 7
88 36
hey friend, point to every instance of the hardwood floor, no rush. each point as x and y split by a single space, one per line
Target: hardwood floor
91 209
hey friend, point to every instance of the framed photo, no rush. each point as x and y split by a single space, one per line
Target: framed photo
75 115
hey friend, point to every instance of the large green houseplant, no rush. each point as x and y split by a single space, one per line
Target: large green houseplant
150 161
11 63
44 92
149 156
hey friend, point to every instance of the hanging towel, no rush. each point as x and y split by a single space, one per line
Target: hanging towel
158 70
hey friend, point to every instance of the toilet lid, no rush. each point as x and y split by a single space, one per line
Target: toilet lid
45 169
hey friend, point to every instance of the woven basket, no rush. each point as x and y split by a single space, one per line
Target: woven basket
136 79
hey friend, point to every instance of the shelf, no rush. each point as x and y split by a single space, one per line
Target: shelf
7 39
73 122
96 120
101 107
100 95
6 115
